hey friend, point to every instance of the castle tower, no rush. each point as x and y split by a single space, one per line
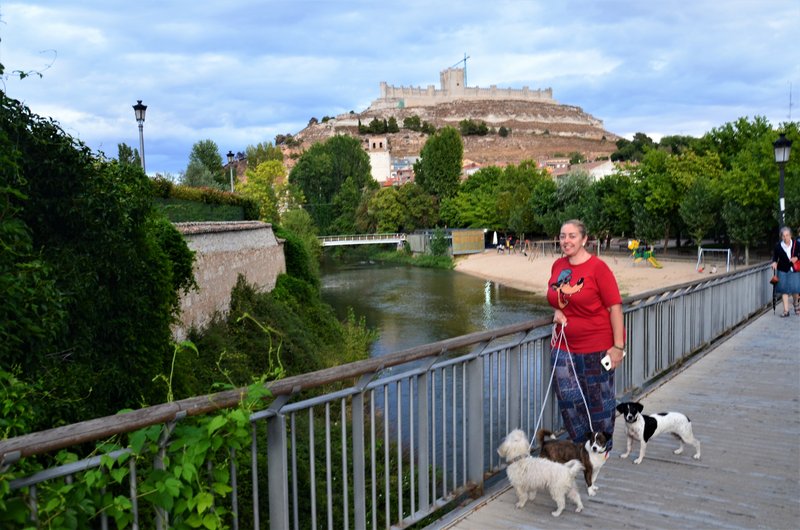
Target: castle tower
452 81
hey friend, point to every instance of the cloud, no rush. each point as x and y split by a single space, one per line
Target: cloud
242 71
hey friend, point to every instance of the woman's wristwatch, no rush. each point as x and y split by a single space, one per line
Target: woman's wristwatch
620 348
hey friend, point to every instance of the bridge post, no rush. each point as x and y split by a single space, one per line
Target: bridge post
278 473
475 422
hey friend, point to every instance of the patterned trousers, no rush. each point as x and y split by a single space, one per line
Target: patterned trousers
598 389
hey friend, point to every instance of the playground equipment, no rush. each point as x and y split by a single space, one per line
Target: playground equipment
639 253
701 264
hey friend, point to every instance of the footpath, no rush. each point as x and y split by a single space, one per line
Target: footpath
743 397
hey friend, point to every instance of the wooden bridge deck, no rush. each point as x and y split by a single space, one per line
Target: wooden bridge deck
743 397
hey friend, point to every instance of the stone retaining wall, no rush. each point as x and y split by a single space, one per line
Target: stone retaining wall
223 251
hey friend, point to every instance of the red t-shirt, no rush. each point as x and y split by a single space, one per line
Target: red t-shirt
584 293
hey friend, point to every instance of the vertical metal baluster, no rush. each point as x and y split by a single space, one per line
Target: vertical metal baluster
412 434
373 460
399 391
453 445
33 504
134 496
491 406
464 415
312 467
443 371
295 509
346 500
254 472
234 491
433 435
387 494
328 485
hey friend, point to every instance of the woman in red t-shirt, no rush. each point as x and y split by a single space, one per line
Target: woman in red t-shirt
588 307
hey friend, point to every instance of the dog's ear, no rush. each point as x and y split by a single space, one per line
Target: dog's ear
609 435
621 408
639 407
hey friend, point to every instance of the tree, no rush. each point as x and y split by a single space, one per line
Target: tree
633 150
205 154
700 202
475 203
300 223
609 208
412 123
470 127
419 208
438 170
126 155
657 193
198 176
261 186
262 152
320 174
392 126
108 261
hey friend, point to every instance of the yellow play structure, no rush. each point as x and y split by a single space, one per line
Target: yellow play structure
640 253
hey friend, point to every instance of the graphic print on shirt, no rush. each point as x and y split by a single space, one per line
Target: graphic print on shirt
565 288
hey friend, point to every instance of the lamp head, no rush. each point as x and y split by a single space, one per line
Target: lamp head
783 148
139 110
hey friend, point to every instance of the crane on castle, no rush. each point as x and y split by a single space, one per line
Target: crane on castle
464 60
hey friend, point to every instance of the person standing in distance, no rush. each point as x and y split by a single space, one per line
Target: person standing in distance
588 307
784 255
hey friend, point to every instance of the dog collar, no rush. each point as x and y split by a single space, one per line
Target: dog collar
517 459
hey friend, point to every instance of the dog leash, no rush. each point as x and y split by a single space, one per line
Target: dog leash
556 340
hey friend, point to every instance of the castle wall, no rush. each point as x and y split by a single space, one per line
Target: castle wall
223 251
452 89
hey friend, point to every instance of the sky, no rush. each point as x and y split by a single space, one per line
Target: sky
240 72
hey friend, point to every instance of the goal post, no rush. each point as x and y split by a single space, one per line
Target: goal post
701 255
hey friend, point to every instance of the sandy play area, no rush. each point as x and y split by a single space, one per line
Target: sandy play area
520 272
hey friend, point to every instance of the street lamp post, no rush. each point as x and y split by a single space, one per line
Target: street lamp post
782 149
139 110
230 163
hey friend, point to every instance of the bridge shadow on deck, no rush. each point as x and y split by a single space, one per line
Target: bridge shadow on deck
743 397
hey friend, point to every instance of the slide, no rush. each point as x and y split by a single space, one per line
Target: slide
654 262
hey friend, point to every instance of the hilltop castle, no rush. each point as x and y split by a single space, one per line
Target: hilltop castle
453 89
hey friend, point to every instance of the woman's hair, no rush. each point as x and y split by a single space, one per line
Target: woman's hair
786 229
579 224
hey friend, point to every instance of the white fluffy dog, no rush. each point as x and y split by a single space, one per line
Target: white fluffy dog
529 474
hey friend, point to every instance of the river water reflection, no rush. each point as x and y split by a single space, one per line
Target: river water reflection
411 306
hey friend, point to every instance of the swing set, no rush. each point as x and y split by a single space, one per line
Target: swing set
701 263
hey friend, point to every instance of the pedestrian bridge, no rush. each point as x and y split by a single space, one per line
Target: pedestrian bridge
411 437
362 239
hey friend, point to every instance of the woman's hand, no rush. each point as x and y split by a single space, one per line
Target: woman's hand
774 265
559 317
616 357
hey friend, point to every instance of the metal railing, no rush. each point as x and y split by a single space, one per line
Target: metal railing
361 239
406 433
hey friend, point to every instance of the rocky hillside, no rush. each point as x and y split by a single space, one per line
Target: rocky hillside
538 130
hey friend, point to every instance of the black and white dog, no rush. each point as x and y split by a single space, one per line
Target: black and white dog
642 427
592 453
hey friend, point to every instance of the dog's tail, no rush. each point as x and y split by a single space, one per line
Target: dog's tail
574 467
544 435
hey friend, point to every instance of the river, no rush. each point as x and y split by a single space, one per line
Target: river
411 306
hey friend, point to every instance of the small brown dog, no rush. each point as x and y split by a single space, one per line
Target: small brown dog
592 454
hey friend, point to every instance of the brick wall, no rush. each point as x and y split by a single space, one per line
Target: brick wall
223 251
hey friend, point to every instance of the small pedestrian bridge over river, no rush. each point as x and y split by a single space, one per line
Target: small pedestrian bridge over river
410 438
362 239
